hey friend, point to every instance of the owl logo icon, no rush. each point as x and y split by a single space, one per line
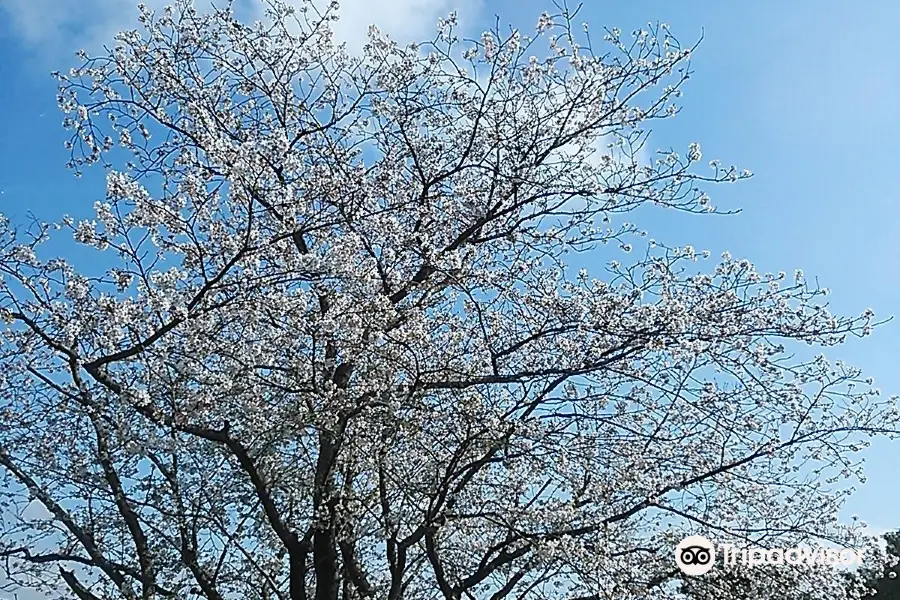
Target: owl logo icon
695 555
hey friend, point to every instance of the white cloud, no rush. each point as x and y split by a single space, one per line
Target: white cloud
54 29
404 20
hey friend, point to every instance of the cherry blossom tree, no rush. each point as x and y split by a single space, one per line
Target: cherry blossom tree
332 344
881 575
773 582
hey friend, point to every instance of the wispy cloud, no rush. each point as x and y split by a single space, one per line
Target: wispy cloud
54 29
404 20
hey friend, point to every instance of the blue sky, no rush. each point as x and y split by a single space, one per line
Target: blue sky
803 93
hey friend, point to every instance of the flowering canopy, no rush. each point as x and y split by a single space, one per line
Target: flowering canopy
340 352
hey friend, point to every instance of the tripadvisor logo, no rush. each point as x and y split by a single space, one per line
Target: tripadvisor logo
696 555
